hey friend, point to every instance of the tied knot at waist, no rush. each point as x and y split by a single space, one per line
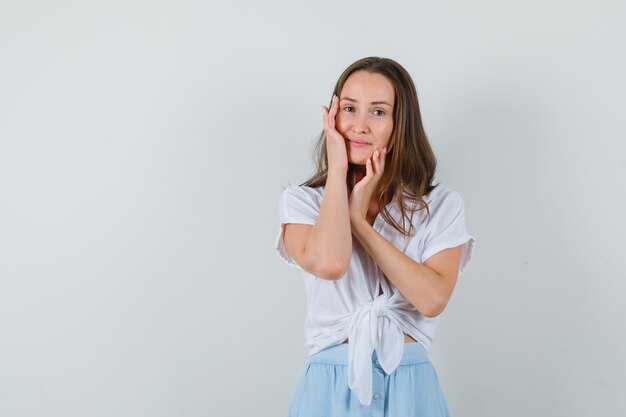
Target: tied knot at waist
378 306
373 309
375 326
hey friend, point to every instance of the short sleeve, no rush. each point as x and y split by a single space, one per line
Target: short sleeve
297 204
446 229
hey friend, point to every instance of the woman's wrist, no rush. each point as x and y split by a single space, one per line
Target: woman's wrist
340 173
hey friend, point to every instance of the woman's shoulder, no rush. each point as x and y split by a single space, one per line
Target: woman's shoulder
442 192
303 192
443 200
288 187
437 193
439 200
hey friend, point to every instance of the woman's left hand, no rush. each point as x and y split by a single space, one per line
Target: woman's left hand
363 190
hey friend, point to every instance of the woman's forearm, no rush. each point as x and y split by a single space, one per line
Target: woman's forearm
329 243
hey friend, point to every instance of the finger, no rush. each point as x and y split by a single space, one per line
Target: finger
333 105
376 163
383 159
325 117
331 114
333 111
368 169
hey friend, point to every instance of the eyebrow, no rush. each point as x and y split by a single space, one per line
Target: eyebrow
373 102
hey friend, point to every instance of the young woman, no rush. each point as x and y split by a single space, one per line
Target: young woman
380 247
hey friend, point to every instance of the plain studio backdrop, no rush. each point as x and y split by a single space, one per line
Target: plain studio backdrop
144 146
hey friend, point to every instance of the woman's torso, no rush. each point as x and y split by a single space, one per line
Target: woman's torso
407 338
371 218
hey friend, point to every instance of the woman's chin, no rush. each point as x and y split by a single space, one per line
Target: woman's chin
357 159
357 162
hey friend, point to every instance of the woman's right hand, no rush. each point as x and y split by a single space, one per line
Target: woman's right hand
335 143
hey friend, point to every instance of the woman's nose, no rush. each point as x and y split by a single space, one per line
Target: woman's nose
360 124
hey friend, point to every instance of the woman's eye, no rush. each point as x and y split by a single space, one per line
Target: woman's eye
350 109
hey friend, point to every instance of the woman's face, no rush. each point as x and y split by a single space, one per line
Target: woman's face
365 114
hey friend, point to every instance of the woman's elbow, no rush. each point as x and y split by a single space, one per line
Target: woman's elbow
434 309
332 270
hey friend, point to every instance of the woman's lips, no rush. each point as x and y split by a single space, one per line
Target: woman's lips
358 144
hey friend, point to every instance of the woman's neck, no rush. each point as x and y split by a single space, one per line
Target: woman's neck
358 172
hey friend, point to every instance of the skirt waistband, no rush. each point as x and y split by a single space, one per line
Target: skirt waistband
414 353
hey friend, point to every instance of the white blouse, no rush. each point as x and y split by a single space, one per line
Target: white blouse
351 307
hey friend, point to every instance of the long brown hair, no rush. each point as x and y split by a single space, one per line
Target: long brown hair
410 162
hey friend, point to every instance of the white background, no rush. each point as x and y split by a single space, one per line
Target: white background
143 148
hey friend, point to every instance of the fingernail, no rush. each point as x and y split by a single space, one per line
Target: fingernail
385 150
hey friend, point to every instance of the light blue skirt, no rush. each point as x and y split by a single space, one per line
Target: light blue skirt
411 390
